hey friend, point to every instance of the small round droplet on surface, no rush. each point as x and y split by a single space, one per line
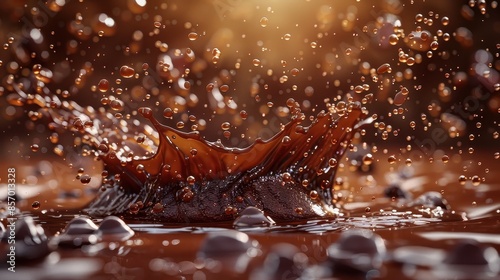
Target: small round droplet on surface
113 227
313 194
252 217
186 194
286 177
78 232
332 162
80 225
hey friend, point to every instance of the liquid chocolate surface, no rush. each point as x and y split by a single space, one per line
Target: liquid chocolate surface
249 139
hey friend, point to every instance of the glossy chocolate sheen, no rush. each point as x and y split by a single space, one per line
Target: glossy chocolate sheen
267 174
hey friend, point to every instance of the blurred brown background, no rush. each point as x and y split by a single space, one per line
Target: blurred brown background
269 51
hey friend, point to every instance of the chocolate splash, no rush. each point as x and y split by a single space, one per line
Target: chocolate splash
189 179
182 177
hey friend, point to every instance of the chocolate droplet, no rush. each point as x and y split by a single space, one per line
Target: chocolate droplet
80 225
113 227
79 231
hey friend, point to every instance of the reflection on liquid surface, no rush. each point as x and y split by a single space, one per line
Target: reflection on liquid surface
157 112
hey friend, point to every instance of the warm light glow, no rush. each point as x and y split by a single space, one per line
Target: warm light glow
141 3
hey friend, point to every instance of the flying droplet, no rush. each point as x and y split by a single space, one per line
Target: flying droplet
127 72
35 205
193 36
462 179
445 158
103 85
392 159
368 159
35 147
191 180
399 99
225 126
85 179
386 67
476 180
116 105
393 39
264 21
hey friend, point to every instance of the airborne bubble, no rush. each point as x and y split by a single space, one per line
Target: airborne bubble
127 72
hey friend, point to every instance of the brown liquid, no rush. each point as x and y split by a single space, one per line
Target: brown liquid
185 169
422 178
